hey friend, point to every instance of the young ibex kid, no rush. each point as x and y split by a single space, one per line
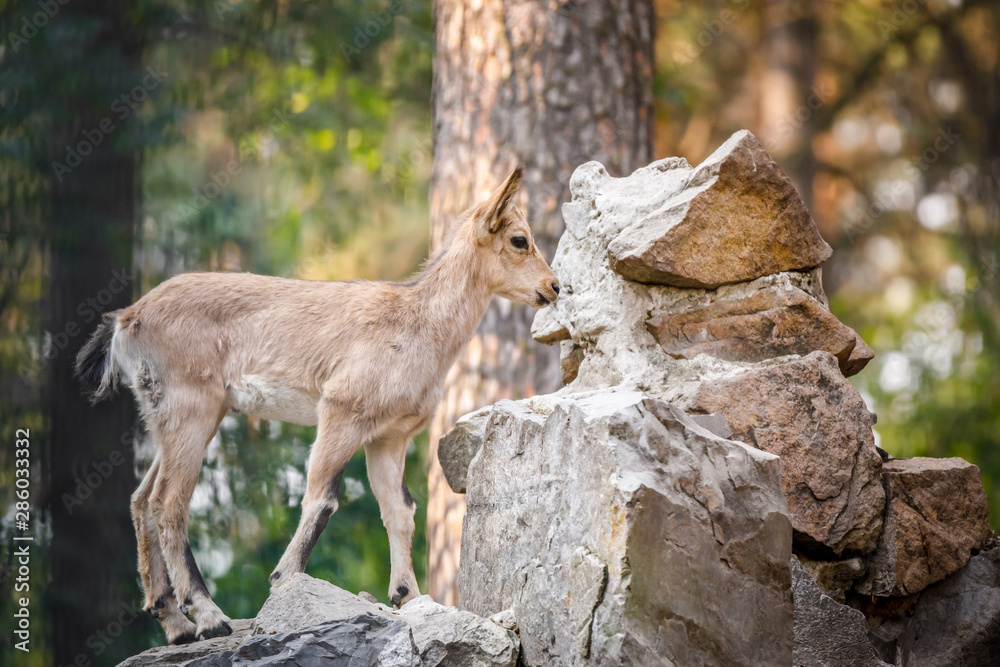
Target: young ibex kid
365 361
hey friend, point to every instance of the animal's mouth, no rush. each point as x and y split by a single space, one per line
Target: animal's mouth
541 300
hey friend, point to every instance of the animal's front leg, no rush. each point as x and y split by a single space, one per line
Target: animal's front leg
336 440
386 460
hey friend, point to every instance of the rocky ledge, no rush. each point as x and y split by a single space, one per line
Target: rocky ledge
312 622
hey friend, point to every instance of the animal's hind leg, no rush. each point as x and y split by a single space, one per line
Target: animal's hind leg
337 438
184 436
160 602
386 459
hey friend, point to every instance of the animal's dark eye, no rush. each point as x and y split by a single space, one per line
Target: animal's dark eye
519 242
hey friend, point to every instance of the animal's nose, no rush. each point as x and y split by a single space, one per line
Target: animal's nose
555 287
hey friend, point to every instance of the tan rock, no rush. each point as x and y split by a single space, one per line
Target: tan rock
937 515
808 414
774 322
736 219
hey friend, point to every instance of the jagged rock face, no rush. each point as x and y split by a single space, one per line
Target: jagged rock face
446 636
442 635
827 634
616 332
736 217
305 601
808 414
457 448
774 322
365 639
621 532
311 622
953 622
937 515
171 656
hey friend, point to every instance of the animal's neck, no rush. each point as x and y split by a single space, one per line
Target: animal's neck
454 295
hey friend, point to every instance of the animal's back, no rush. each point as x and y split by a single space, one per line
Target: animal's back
268 343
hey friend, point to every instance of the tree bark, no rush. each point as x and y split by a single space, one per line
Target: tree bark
550 85
89 238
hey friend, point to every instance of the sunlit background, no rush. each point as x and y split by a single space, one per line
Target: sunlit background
277 138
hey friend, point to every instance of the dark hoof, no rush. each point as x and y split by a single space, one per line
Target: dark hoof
161 603
401 593
274 577
220 630
186 638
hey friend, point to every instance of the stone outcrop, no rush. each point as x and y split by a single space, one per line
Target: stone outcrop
808 414
308 621
446 636
612 523
953 622
737 218
171 656
366 639
936 516
827 634
698 289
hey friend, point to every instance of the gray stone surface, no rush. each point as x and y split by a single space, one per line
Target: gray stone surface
447 636
305 601
953 622
360 641
621 532
170 656
309 621
457 447
827 634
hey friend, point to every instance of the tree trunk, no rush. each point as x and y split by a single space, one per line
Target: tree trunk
550 85
789 98
89 236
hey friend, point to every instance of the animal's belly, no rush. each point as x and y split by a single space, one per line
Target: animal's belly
266 399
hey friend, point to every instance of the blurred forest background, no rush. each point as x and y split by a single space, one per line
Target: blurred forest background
295 138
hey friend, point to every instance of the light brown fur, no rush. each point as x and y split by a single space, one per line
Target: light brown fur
365 361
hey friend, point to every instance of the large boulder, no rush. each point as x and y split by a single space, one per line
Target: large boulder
805 412
736 218
827 634
937 514
621 532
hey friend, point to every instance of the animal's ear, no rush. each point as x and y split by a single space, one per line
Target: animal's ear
492 216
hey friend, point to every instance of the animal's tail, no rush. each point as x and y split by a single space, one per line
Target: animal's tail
95 369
